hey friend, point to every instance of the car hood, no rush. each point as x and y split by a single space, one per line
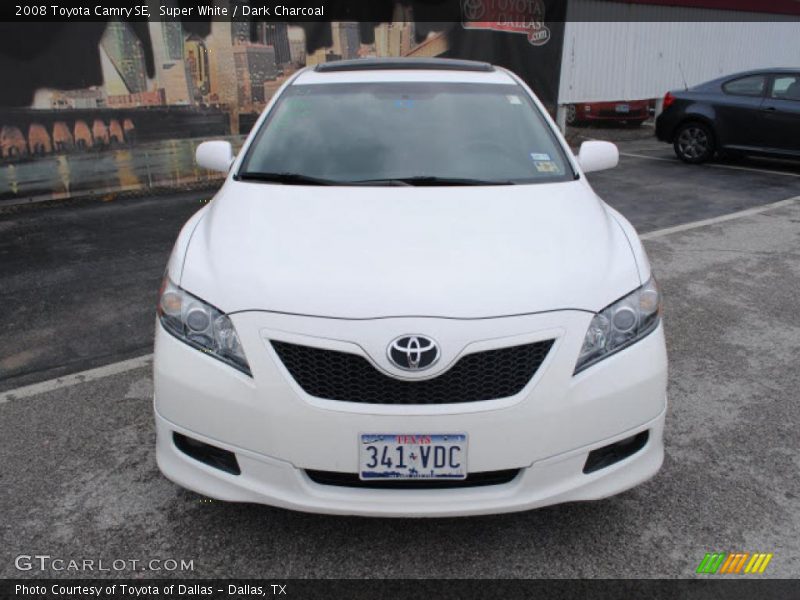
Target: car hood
364 252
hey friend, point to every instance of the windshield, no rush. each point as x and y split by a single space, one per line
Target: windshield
407 134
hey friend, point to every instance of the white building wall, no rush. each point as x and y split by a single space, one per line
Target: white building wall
642 51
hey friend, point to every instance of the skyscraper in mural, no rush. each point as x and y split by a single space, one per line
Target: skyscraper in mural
397 37
168 53
297 45
197 64
255 65
277 36
122 60
222 71
241 31
346 37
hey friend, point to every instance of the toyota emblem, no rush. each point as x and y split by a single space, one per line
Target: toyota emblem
413 352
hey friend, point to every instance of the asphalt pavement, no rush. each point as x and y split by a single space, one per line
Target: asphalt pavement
78 283
78 471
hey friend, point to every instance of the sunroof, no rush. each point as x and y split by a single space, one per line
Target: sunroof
377 64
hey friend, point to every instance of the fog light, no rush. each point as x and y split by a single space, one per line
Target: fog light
207 454
613 453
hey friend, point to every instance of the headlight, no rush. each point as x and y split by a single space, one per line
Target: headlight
621 324
200 325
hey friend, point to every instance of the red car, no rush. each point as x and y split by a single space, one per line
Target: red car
633 112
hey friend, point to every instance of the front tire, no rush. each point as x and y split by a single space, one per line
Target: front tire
694 143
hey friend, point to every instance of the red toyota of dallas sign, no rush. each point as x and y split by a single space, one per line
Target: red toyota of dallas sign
512 16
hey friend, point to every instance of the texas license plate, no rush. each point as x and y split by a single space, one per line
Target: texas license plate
413 456
623 108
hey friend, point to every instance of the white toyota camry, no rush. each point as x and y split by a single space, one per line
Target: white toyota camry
407 300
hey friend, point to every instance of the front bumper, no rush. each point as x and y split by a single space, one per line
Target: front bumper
278 432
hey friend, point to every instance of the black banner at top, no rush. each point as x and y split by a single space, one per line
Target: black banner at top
510 12
279 10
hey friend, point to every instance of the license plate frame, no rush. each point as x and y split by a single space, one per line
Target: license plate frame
424 456
623 108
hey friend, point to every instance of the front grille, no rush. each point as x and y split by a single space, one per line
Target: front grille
473 480
487 375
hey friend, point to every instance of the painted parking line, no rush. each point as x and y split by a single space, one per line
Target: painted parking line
147 359
721 219
77 378
712 165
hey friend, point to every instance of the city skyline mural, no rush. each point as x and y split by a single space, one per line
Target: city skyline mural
129 101
234 70
137 130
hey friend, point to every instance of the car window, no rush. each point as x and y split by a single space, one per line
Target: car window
349 133
786 87
752 85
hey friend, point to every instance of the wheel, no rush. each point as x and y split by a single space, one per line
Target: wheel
572 115
694 143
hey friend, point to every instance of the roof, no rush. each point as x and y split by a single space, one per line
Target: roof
765 71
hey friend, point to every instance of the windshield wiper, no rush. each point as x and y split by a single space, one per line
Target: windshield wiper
423 180
285 178
419 180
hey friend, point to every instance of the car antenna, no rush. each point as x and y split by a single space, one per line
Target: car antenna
685 85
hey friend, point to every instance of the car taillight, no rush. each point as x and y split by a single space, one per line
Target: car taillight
668 100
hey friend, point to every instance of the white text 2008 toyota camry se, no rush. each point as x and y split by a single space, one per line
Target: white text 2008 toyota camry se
406 300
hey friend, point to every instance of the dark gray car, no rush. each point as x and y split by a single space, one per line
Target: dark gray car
754 112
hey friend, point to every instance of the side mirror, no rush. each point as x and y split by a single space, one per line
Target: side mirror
598 156
215 156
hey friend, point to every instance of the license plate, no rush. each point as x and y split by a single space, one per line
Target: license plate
412 456
623 108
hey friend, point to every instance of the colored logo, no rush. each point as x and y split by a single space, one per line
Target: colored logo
721 563
520 16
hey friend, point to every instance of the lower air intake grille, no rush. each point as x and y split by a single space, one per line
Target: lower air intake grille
472 480
487 375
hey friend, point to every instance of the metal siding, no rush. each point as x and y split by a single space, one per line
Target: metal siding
641 51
